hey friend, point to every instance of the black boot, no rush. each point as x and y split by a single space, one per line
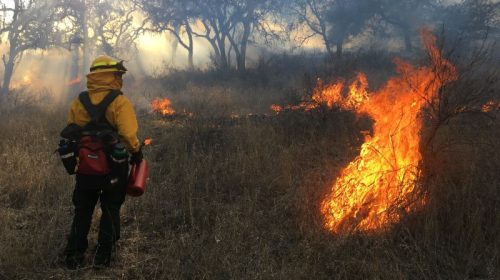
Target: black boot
102 256
74 261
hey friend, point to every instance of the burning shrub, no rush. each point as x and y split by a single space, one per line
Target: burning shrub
162 106
382 179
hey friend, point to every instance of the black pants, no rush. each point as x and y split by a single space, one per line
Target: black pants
87 192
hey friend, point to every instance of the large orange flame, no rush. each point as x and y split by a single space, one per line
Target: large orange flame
377 187
162 106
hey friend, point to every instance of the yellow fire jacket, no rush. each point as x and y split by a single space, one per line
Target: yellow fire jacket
120 112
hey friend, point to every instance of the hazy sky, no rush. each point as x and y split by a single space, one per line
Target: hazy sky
154 53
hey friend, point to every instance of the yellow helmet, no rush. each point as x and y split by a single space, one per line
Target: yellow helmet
104 63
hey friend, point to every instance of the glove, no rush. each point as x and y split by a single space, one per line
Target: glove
136 157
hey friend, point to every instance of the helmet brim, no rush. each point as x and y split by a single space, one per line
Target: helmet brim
102 68
106 71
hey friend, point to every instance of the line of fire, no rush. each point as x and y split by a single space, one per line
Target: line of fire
381 184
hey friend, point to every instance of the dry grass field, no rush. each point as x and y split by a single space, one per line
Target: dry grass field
239 198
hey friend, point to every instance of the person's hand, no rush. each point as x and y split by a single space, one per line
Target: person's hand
136 157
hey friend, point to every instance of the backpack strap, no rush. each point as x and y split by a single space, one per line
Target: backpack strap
98 112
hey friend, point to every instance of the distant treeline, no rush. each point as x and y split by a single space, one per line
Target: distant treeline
230 27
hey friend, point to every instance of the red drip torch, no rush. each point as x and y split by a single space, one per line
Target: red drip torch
137 179
138 176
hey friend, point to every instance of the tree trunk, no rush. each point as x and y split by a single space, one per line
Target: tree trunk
189 32
407 37
9 65
339 49
223 63
75 62
240 63
85 46
7 76
191 59
175 44
327 45
234 46
230 54
241 59
75 81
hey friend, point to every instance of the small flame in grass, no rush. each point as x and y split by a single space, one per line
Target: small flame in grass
276 108
234 116
490 106
332 95
148 141
378 186
162 106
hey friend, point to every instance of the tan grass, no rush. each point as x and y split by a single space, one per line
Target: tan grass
239 200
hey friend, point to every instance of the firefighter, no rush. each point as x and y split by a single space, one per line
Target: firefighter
105 78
